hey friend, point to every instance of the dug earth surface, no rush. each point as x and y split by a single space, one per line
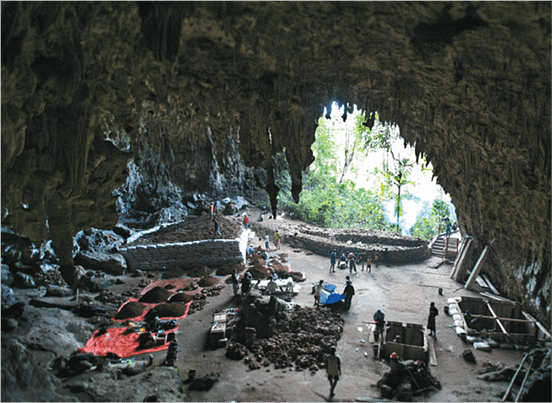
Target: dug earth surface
403 293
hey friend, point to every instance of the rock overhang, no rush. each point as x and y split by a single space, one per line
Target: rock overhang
467 83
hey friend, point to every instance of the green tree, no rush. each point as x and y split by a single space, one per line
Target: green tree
429 219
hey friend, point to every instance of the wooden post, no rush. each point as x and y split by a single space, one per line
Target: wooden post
477 268
459 267
524 380
497 319
514 378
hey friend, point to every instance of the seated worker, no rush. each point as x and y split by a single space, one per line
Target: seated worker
271 287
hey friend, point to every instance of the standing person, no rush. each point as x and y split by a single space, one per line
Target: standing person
246 284
349 291
360 260
212 210
369 264
333 258
246 221
433 312
235 282
267 242
379 318
277 236
172 353
351 259
448 227
217 229
376 260
333 369
318 292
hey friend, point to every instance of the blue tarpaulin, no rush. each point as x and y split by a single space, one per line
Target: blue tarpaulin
329 296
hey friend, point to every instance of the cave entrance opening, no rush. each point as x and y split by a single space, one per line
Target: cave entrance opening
365 176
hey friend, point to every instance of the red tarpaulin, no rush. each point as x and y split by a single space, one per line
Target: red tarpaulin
124 345
115 341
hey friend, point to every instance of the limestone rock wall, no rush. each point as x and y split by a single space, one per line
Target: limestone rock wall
468 83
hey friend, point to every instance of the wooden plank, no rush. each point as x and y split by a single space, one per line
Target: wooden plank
491 286
497 297
497 319
477 268
514 378
504 319
432 355
524 380
481 282
540 326
457 262
457 269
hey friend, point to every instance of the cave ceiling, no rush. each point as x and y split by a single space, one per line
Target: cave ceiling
468 83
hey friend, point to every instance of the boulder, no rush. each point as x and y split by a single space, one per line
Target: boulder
231 208
111 263
94 281
8 298
241 202
16 248
122 230
467 355
57 291
46 267
9 324
7 277
22 280
205 382
24 379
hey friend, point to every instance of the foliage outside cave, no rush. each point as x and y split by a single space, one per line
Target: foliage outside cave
332 197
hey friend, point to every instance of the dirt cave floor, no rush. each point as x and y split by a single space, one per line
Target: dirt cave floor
403 293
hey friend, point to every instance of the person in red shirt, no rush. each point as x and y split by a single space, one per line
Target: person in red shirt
246 221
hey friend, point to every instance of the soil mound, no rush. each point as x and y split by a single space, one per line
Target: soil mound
130 310
155 295
174 310
192 229
181 297
199 271
228 269
259 272
174 272
208 281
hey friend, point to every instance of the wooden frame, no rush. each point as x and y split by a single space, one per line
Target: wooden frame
412 344
512 323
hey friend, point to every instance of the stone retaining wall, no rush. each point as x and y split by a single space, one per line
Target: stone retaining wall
365 236
395 254
211 252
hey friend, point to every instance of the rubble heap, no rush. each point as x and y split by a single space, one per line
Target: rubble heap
289 337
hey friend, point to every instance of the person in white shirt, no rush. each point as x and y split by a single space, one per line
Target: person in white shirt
333 369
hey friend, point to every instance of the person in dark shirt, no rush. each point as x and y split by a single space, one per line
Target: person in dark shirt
433 312
349 291
379 318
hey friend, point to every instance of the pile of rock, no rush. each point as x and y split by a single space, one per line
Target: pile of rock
289 336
